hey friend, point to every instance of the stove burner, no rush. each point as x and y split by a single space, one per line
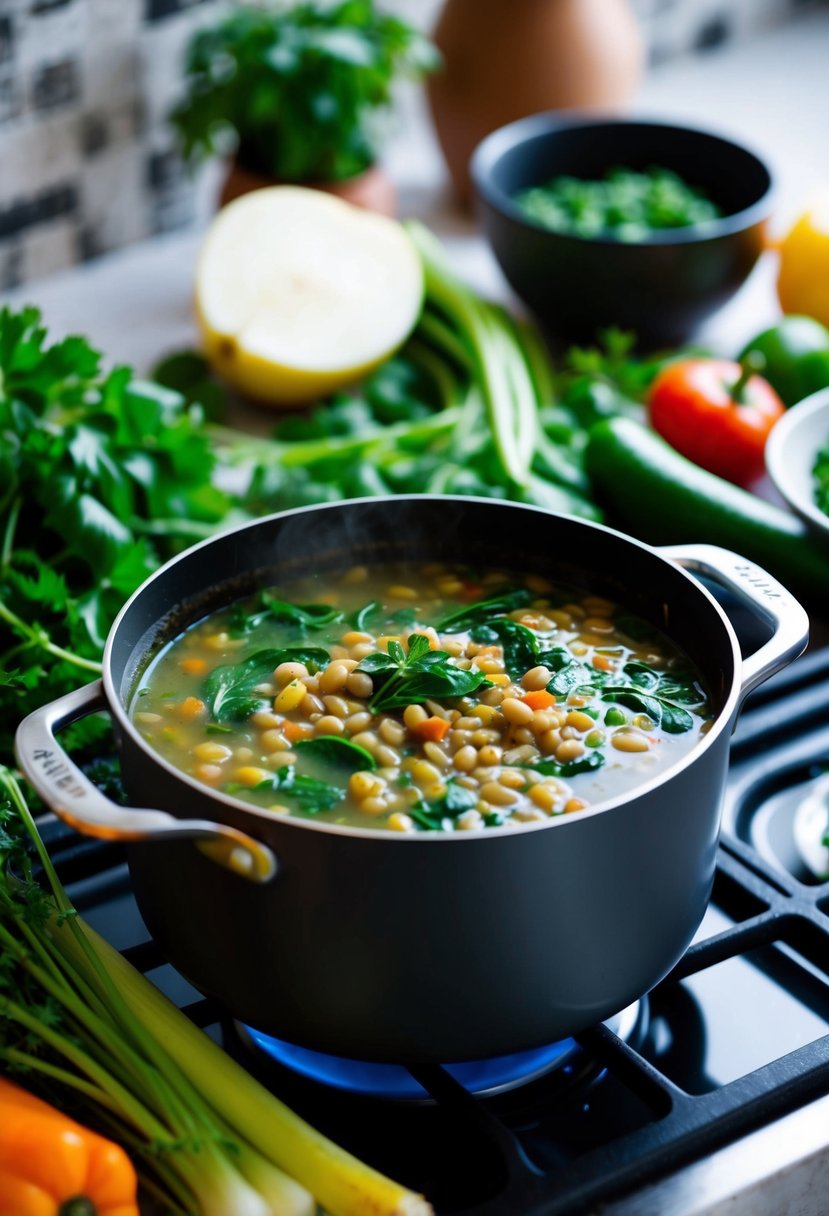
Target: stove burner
484 1078
785 816
809 829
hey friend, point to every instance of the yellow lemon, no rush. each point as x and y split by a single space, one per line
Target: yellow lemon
803 278
299 294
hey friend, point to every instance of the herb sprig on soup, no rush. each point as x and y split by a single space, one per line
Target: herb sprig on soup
422 698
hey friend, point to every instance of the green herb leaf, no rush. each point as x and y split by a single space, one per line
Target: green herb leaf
229 692
672 718
299 86
573 676
520 645
301 616
421 675
571 768
308 793
432 812
479 613
341 753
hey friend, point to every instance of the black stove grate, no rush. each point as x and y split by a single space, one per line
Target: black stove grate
624 1114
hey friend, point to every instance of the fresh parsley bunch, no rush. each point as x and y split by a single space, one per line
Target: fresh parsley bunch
102 477
298 86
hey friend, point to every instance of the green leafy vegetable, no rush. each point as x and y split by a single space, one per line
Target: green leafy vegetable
625 204
308 793
301 616
402 678
336 751
461 619
569 768
660 695
466 407
80 1027
229 691
519 644
672 718
430 813
820 474
102 477
573 675
299 87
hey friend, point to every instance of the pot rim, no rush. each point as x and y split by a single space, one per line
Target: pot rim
721 722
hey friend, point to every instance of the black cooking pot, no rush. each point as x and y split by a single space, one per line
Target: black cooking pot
423 946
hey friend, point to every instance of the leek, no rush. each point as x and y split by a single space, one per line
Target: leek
81 1026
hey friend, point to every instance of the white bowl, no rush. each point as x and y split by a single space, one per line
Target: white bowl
791 449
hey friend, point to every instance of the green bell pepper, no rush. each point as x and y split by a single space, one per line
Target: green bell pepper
795 355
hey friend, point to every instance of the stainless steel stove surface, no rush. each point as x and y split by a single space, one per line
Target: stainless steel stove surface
708 1099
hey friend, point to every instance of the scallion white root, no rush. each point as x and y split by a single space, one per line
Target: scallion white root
79 1017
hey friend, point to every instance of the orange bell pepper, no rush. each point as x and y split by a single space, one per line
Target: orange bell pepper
52 1166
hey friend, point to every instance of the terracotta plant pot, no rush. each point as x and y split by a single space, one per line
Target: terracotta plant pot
372 189
504 61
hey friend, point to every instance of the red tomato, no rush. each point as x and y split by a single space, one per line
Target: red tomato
716 414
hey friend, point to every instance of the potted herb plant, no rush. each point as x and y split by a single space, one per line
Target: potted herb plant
296 93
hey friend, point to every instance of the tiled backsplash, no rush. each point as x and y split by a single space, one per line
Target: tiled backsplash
88 163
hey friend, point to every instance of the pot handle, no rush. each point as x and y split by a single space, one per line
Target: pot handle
760 592
79 803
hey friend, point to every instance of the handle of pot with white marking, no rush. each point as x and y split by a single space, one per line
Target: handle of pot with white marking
79 803
762 594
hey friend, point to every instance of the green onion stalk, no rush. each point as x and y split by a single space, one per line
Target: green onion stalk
85 1030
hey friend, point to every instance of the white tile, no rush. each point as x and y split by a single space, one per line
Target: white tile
49 249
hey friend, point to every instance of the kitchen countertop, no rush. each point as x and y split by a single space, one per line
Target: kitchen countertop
772 93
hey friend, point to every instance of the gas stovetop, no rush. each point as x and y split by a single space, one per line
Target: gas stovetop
736 1037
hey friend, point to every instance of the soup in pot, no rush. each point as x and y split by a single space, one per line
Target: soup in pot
421 698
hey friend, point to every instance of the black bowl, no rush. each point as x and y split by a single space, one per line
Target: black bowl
661 287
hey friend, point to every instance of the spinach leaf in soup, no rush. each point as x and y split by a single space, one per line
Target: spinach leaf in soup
299 617
309 795
373 616
479 613
573 676
659 694
430 813
337 752
229 692
568 768
519 644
